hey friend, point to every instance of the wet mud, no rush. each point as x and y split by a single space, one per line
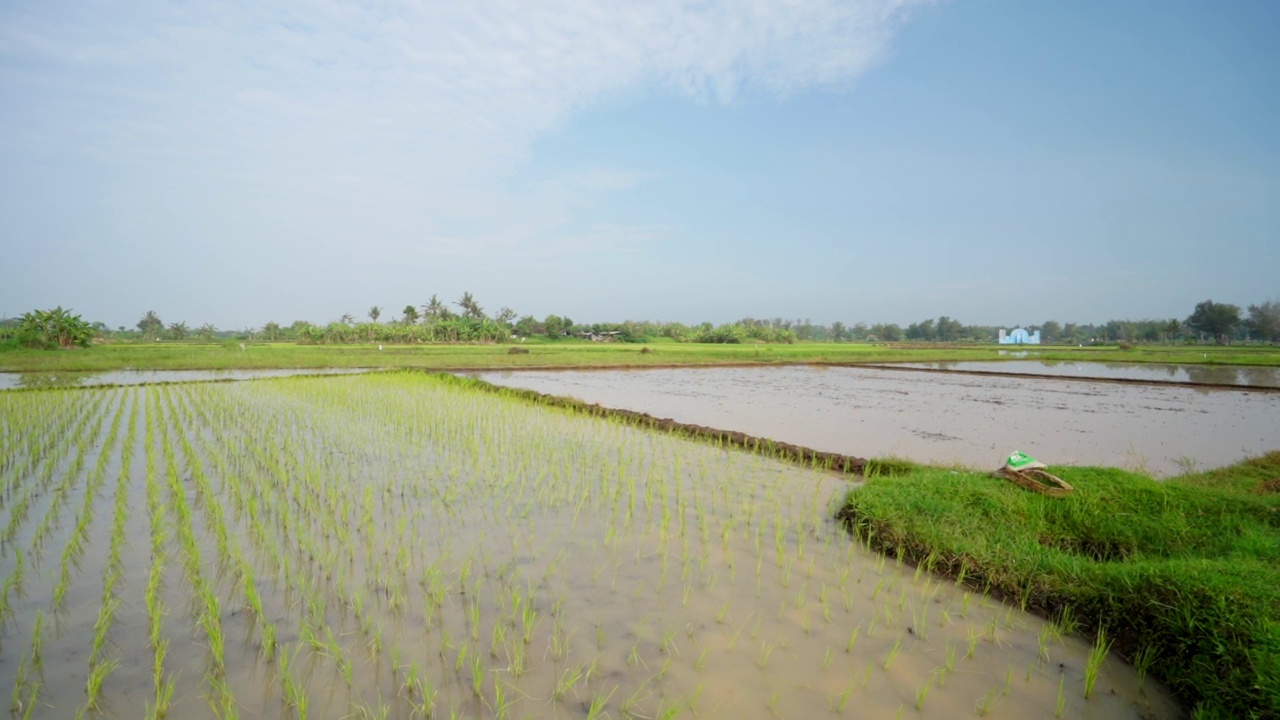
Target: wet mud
941 417
1222 377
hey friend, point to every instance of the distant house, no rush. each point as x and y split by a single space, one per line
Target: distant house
1019 336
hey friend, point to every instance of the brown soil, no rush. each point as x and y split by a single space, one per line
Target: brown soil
1269 487
518 351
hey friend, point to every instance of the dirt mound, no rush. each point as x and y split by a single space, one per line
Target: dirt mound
1269 487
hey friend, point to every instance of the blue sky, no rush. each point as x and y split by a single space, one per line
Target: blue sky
997 161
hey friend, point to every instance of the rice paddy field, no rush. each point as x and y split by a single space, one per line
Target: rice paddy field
399 545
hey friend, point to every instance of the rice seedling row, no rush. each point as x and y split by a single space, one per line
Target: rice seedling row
23 568
103 659
44 470
32 427
29 683
400 545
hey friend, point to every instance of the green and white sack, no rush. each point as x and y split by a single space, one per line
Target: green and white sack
1022 461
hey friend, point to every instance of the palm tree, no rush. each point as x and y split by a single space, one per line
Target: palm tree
206 331
410 315
434 309
375 312
150 324
347 319
178 331
470 308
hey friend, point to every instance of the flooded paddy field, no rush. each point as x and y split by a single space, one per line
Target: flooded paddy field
969 420
1242 375
18 380
399 545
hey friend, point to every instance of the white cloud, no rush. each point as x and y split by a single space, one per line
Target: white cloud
428 106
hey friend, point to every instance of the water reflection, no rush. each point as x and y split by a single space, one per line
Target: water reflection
44 380
1242 375
943 418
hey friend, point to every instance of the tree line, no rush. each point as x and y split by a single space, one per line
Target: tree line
465 320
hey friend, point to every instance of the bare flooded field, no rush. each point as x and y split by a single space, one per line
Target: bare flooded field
968 420
1242 375
397 545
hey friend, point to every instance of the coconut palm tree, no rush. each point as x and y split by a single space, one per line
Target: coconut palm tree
151 324
470 308
375 312
433 309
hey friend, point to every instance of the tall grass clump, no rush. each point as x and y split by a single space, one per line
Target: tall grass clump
1182 574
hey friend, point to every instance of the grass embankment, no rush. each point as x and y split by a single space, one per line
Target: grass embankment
1183 574
225 356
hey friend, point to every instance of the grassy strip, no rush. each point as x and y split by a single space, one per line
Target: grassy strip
1183 574
222 356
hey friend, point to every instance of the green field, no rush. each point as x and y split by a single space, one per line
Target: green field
405 545
253 491
1181 574
222 356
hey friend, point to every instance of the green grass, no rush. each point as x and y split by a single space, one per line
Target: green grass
229 355
1186 569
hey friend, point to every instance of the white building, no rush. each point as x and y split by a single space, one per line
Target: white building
1019 336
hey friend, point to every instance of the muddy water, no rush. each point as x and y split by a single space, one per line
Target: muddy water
412 540
15 380
939 418
1146 372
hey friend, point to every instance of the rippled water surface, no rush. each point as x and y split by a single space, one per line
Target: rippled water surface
1150 372
969 420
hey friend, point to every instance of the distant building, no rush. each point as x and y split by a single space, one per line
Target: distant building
1019 336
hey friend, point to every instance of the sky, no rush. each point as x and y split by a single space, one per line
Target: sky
997 161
